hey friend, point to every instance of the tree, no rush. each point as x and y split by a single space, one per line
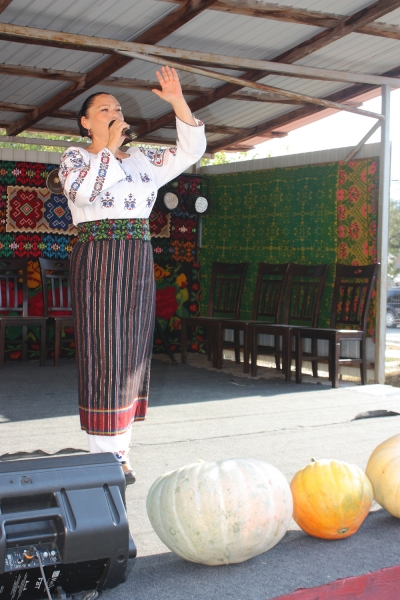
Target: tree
41 136
394 238
221 158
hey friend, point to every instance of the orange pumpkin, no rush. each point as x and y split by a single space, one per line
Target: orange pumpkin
331 499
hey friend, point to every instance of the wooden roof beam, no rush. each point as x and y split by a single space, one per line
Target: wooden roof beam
4 4
345 95
316 42
154 34
164 27
39 73
72 115
133 84
289 14
220 61
152 140
216 61
258 86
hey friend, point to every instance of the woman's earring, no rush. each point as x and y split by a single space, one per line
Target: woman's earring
89 133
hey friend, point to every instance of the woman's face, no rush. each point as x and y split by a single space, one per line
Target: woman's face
104 109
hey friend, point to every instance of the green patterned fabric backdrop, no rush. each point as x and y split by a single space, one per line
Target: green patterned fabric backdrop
291 214
357 205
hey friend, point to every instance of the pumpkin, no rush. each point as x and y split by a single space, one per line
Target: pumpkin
331 499
221 512
383 470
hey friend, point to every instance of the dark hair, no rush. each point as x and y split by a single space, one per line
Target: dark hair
84 112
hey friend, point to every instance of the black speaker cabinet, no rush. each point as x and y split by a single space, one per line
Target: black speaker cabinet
71 509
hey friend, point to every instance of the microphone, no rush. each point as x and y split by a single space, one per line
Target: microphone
128 132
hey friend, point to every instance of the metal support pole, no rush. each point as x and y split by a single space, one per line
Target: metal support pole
366 137
382 238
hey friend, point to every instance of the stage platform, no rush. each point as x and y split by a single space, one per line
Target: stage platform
196 412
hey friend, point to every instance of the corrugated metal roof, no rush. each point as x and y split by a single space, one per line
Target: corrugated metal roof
211 31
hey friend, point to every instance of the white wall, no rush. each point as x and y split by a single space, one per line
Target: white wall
36 156
291 160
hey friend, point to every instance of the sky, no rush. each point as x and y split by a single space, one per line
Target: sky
340 130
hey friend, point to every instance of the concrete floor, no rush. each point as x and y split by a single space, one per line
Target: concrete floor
197 412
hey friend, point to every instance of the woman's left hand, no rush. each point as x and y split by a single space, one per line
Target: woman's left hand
171 90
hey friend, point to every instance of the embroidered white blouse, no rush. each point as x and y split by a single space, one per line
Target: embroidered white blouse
99 186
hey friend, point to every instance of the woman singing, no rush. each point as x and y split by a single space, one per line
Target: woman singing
111 194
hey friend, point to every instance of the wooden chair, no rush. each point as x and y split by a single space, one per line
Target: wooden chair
227 281
302 302
350 307
56 288
267 304
14 299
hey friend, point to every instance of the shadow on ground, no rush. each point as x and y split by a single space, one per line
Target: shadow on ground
28 391
279 571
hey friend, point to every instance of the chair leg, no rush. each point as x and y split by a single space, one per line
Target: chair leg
236 341
277 355
254 347
246 352
217 346
43 335
335 355
314 363
210 342
57 343
363 365
183 342
24 343
287 354
2 344
165 342
299 356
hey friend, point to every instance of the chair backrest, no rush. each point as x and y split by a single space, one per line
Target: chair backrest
268 296
352 296
305 285
56 286
227 281
14 286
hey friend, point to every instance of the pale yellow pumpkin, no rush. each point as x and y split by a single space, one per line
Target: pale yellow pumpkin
331 498
222 512
383 470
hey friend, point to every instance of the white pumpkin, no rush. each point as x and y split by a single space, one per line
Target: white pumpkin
221 512
383 471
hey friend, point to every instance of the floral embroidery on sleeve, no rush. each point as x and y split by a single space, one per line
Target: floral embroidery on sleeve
144 177
154 155
75 158
101 175
70 161
77 183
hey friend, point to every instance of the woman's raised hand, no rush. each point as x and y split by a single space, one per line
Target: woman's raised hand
171 90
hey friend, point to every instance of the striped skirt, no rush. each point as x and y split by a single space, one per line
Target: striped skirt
113 290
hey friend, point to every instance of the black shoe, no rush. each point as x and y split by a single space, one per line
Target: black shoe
130 476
